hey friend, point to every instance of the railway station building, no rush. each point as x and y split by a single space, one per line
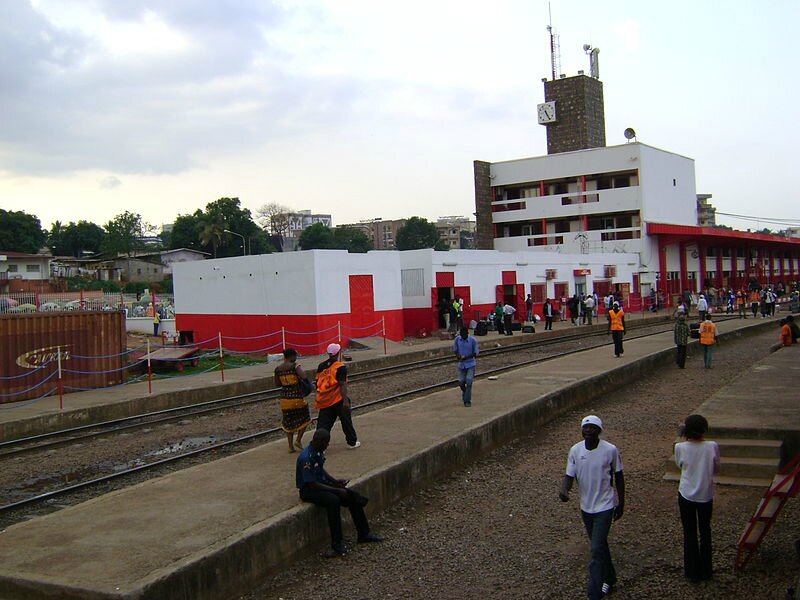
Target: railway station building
585 218
632 199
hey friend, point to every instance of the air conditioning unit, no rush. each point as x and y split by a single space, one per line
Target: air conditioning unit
610 271
550 274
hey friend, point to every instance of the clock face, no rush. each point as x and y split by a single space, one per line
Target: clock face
546 112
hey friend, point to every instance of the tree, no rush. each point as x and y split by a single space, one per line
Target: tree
21 232
316 236
55 239
83 238
125 234
274 218
205 230
419 233
212 235
186 231
351 239
227 213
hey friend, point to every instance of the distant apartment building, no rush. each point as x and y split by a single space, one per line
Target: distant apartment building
458 232
297 222
706 213
382 233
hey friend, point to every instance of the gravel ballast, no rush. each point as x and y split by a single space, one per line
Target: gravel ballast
498 530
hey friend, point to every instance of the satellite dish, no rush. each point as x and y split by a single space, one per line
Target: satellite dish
629 133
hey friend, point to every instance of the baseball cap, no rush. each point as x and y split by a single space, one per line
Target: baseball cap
592 420
334 349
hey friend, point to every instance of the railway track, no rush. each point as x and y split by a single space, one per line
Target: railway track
48 441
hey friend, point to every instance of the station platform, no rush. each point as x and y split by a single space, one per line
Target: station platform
23 419
217 530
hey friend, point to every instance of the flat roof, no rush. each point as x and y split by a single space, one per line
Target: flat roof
599 148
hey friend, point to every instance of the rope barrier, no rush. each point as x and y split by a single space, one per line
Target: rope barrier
312 332
31 372
252 337
23 403
30 389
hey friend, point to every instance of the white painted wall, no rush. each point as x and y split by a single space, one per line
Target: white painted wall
291 283
663 202
566 164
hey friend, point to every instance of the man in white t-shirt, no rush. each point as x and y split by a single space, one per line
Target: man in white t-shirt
597 466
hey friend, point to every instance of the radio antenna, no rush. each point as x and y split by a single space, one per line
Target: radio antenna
555 51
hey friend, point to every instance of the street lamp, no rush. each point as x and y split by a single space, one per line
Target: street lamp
244 249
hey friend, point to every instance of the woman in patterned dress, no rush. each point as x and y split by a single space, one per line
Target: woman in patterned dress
294 408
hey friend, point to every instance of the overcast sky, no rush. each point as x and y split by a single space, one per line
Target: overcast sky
367 109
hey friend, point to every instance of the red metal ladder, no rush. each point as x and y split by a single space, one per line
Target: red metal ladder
785 485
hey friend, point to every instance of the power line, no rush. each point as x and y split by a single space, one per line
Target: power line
774 220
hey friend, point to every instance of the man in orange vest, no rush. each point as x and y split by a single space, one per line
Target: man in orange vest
740 305
708 339
332 399
616 326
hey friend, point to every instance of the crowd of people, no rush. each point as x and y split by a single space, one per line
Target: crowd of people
593 464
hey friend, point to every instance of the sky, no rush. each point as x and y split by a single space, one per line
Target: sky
365 109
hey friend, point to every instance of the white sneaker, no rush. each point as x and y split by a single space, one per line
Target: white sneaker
354 446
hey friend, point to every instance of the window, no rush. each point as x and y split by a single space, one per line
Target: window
740 253
622 181
138 271
538 291
31 268
711 252
412 282
12 268
562 226
726 253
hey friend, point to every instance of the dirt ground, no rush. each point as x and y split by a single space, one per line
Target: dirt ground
498 530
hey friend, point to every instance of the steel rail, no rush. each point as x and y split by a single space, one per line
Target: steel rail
81 433
253 436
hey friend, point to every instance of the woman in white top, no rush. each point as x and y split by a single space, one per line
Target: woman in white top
699 462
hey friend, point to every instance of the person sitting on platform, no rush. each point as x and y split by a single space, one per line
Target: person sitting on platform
318 487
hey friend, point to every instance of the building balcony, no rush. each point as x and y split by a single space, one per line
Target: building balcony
559 206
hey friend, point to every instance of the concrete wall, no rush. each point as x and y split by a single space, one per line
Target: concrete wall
663 201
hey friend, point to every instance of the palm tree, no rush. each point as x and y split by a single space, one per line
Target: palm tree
211 235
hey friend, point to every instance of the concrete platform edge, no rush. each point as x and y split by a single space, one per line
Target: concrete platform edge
236 565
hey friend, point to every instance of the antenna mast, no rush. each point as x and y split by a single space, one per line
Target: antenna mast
555 50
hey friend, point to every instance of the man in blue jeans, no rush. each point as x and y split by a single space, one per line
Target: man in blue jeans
466 348
595 463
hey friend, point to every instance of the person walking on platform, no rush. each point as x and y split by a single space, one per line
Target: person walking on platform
597 466
573 305
466 349
702 307
588 312
498 318
529 308
681 333
708 339
740 305
755 298
616 327
333 400
508 316
698 461
318 487
549 313
295 418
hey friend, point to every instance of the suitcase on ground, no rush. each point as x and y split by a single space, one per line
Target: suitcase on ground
516 326
482 328
528 329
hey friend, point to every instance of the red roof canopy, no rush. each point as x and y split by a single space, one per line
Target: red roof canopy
719 235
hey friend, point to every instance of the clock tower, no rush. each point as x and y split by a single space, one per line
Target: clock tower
573 113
